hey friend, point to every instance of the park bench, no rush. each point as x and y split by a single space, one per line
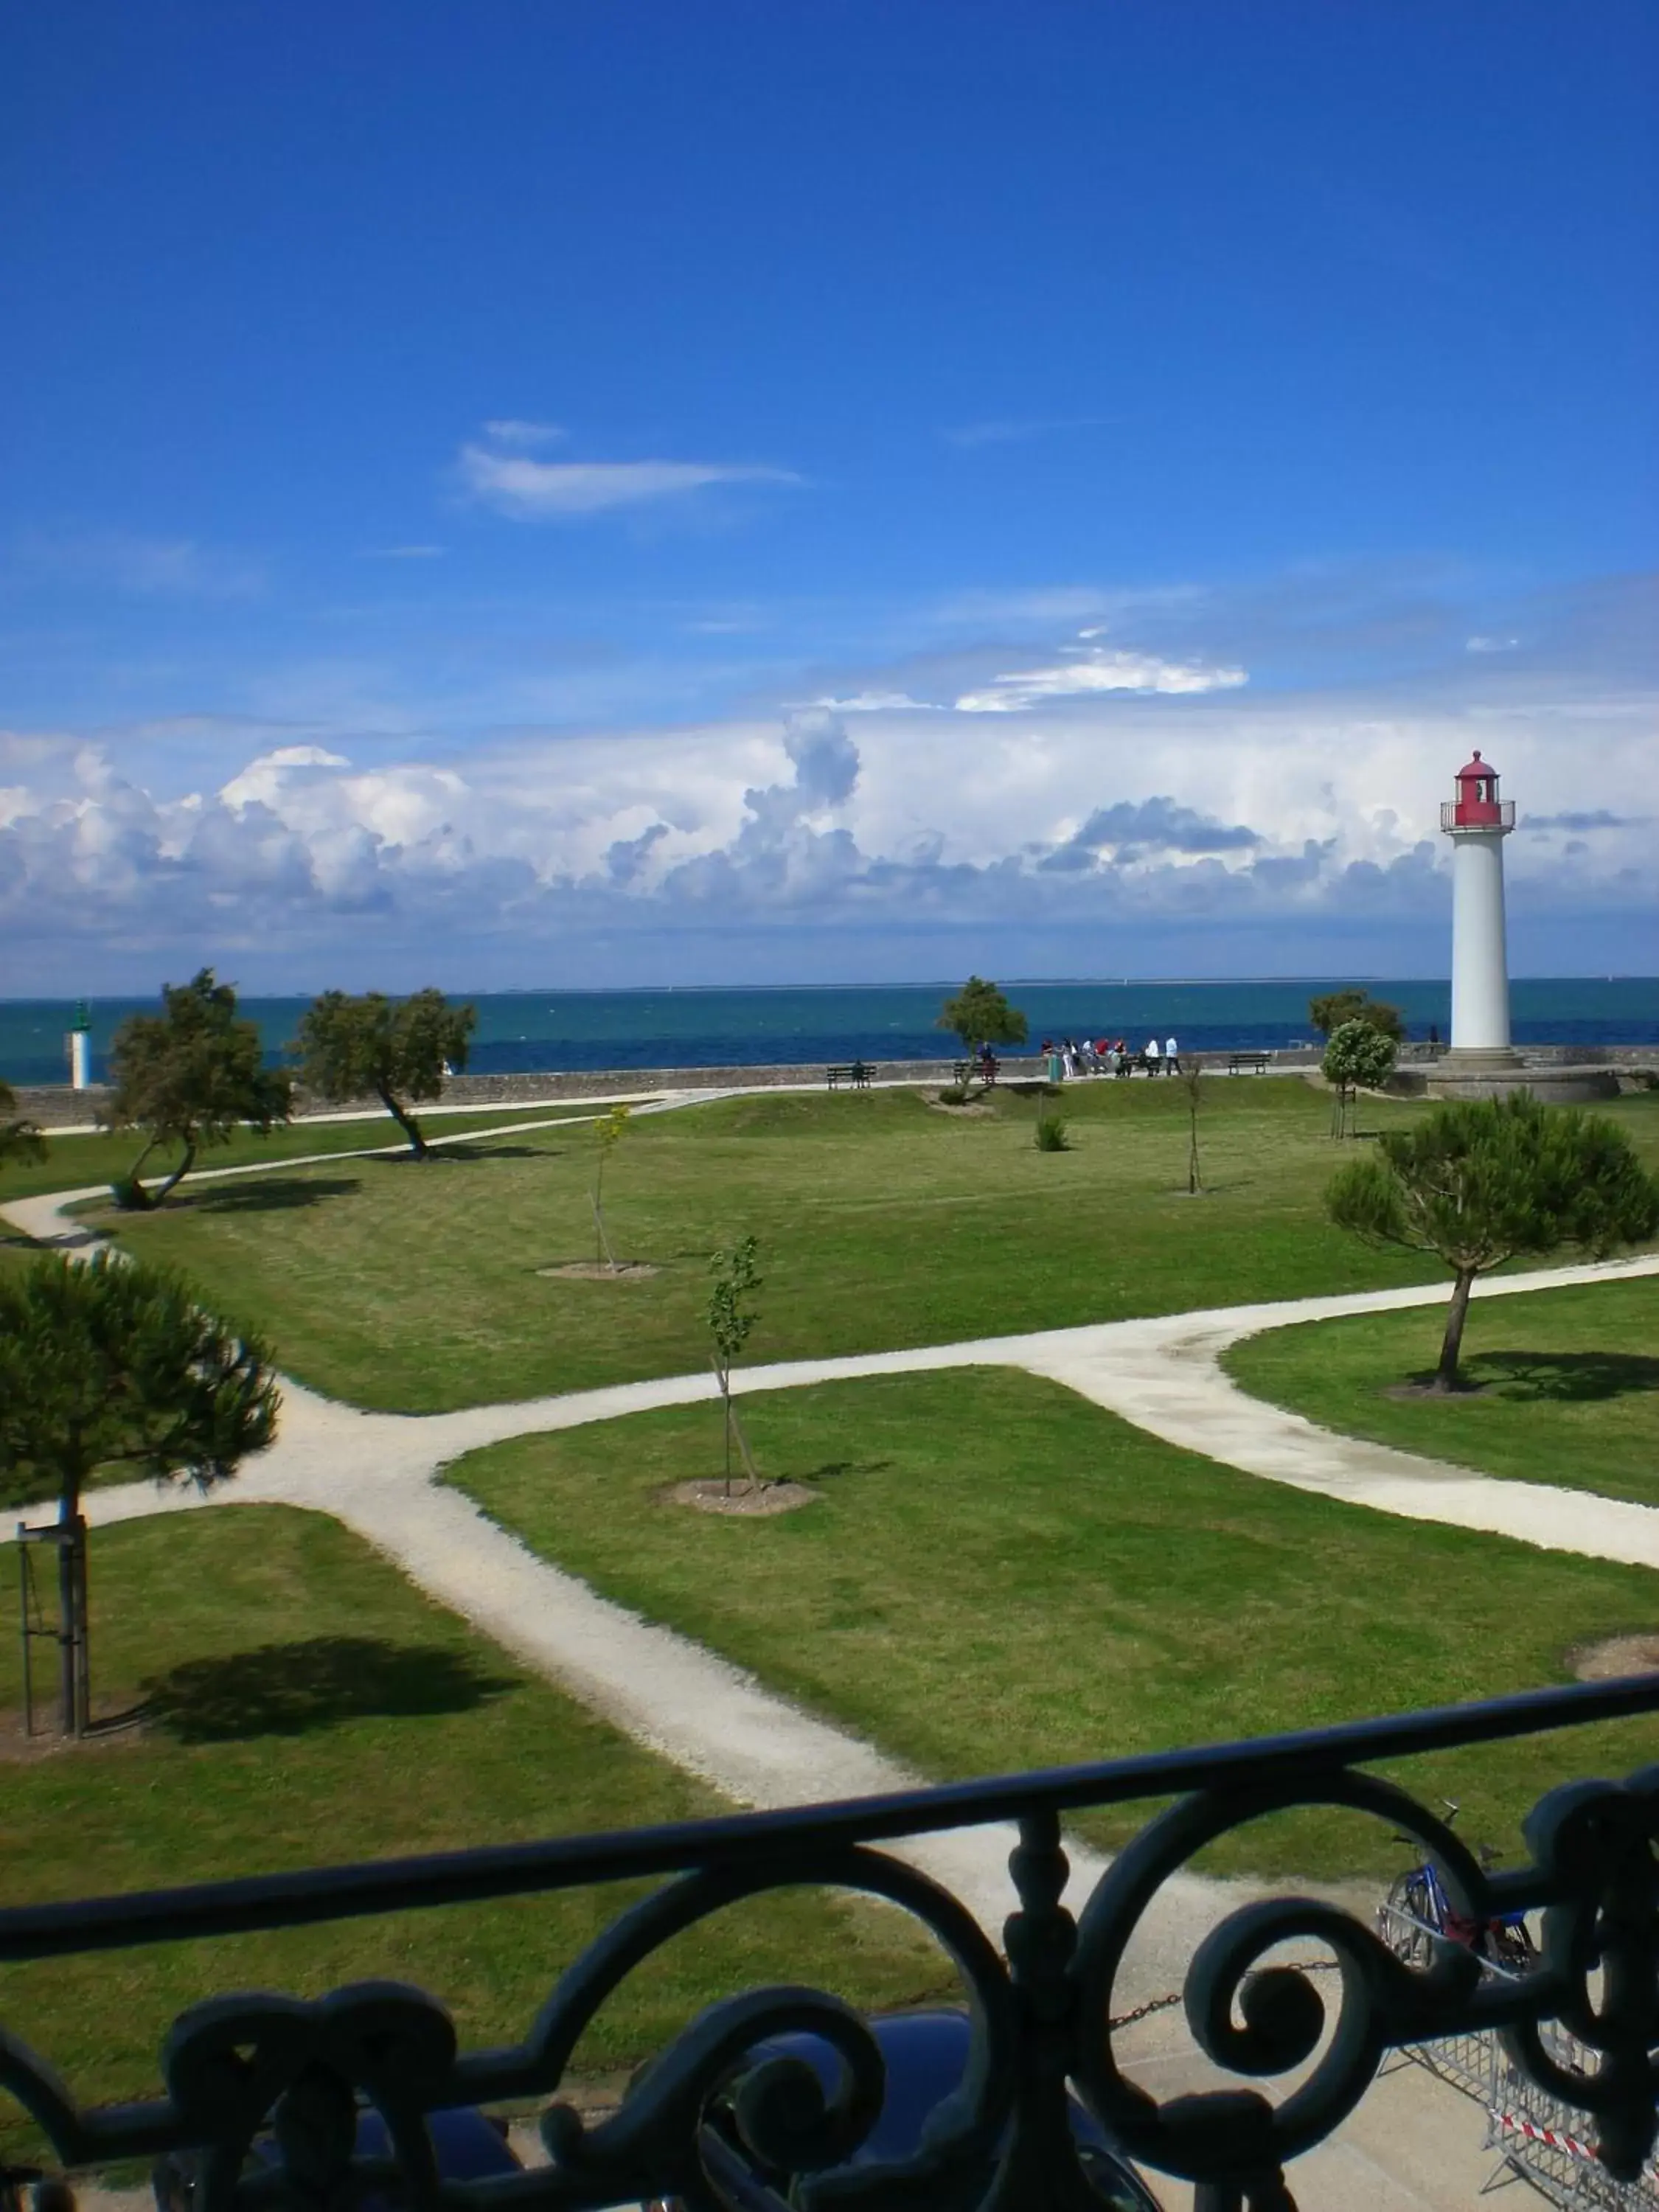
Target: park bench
854 1072
1257 1062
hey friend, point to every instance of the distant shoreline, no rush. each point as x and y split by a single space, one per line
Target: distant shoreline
55 1106
648 1032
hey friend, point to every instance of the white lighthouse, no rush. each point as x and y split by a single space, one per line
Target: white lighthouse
1477 822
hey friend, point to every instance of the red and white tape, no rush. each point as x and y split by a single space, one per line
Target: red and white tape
1534 2133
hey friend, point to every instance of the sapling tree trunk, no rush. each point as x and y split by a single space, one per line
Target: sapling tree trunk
723 1376
602 1255
1193 1077
1452 1343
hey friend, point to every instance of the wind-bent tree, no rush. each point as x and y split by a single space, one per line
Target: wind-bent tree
189 1076
1357 1058
980 1015
19 1137
1479 1182
114 1365
608 1132
730 1317
1328 1014
396 1050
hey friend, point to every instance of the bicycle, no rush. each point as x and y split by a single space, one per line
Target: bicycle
1418 1911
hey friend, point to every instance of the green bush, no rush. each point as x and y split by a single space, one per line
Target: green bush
1051 1135
130 1195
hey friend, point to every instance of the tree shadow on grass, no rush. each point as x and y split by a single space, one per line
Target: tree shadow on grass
1567 1378
263 1194
443 1153
833 1466
473 1150
289 1689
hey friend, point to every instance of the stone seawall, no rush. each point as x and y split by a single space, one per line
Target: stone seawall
56 1106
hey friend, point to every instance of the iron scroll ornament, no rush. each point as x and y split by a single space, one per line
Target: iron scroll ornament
260 2066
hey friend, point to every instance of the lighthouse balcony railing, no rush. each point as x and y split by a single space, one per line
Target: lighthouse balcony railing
1455 814
1295 1991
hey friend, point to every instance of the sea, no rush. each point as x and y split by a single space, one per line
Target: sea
524 1032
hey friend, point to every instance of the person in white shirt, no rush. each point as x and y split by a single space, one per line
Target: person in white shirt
1150 1055
1171 1058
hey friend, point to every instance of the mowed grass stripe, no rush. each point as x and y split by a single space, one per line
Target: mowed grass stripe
1000 1576
75 1162
307 1706
1564 1384
884 1223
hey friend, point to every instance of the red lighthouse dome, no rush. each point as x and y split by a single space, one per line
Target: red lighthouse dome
1477 805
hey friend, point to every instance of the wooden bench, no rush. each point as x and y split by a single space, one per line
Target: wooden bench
856 1071
1257 1062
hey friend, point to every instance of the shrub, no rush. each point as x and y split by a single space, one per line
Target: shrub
1051 1135
130 1195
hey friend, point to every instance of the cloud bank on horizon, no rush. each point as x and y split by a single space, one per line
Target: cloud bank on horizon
1140 805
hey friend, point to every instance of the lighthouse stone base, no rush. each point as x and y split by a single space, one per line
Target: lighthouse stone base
1479 1060
1497 1073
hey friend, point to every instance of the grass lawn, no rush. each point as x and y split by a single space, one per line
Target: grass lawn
73 1163
999 1575
1569 1384
882 1222
307 1706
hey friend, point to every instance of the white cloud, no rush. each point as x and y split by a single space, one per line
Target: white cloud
146 567
1491 644
876 702
1019 430
512 485
1112 794
1094 668
513 430
404 553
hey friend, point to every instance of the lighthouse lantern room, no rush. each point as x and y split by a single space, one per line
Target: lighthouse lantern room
1477 805
1477 821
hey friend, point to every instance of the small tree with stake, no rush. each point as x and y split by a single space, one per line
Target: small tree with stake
980 1015
1192 1081
396 1050
1358 1057
1481 1182
113 1364
189 1076
730 1317
608 1132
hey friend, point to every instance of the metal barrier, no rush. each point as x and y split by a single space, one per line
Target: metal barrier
1546 2140
247 2066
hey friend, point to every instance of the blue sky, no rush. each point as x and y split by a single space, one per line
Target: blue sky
634 492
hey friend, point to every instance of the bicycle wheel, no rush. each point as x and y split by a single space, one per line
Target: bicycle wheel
1398 1922
1508 1944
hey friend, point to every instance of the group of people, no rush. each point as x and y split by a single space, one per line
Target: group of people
1066 1059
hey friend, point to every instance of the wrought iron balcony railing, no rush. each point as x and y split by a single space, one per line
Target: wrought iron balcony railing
242 2067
